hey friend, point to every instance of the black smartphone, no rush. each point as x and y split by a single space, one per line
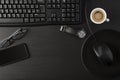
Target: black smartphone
13 54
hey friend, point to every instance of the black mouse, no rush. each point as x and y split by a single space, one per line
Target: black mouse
103 53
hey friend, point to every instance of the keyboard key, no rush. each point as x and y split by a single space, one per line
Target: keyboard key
29 11
6 11
49 19
72 5
68 15
32 6
10 20
24 11
73 19
30 1
4 6
54 19
64 10
1 7
18 6
53 6
41 1
58 6
25 1
77 1
57 1
9 15
15 11
58 19
64 6
68 1
64 15
32 20
36 6
4 15
11 1
27 15
19 10
34 1
39 15
77 17
9 6
73 1
22 6
37 20
64 1
31 15
16 1
13 15
18 15
68 6
42 8
14 6
53 1
37 10
20 1
49 6
0 15
22 15
72 14
33 11
49 1
72 10
10 10
42 19
77 8
2 1
63 19
1 11
68 10
26 20
27 6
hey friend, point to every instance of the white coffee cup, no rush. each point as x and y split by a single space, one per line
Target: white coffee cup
98 16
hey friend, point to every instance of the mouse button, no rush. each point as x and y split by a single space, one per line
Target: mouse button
107 52
98 50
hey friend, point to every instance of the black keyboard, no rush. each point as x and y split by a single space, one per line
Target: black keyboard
40 12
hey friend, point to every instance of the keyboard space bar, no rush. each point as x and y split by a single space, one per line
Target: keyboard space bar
11 20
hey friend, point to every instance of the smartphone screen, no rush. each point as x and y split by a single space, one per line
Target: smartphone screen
13 54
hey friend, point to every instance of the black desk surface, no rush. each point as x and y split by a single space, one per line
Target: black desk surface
55 55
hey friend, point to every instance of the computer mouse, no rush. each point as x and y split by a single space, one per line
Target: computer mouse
103 53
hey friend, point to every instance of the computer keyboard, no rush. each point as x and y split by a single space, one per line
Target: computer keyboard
40 12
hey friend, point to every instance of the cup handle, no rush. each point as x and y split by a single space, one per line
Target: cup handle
107 20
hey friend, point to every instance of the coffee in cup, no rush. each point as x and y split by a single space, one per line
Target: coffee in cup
98 16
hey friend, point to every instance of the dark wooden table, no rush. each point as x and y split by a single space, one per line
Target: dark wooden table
56 55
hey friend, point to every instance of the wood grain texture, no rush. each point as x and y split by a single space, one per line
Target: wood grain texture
54 56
